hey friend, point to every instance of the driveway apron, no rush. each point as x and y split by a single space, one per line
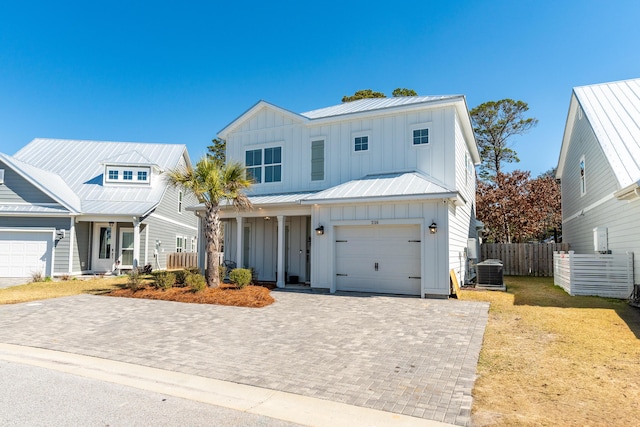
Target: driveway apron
411 356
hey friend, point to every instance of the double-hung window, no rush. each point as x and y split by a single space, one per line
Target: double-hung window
253 162
264 165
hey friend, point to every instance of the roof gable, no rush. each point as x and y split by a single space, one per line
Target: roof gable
47 182
613 111
251 112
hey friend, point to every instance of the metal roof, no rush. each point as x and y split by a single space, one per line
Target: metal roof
613 110
269 199
27 209
80 165
371 104
395 185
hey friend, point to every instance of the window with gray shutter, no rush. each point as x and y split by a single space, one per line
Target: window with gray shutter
317 160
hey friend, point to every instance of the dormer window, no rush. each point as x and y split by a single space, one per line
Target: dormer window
126 174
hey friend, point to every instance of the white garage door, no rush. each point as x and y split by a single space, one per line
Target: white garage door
23 253
378 258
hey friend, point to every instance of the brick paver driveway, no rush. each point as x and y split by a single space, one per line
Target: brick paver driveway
412 356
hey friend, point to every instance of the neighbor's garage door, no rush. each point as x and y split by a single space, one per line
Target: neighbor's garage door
23 253
378 258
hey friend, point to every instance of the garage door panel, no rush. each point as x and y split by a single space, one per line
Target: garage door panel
396 251
23 253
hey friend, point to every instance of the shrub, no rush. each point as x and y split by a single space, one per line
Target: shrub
181 275
241 277
37 276
222 273
196 282
134 280
163 279
48 279
65 277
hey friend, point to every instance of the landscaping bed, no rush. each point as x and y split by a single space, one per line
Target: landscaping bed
249 296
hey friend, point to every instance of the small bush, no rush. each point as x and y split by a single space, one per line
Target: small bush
48 279
241 277
181 275
222 273
196 282
134 280
37 276
65 277
163 279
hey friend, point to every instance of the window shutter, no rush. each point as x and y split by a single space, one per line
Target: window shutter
317 160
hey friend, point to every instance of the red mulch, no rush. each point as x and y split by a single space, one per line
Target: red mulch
250 296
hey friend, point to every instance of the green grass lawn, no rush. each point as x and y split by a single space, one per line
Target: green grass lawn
54 289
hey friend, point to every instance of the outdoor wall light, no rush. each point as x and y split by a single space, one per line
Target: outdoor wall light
433 228
267 218
320 230
110 223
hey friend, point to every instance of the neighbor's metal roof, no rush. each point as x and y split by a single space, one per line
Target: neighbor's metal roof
613 110
80 164
29 209
371 104
396 185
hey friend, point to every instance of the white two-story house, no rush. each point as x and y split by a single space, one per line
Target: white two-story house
376 195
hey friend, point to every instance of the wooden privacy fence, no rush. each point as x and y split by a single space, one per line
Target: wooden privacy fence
603 275
179 260
523 259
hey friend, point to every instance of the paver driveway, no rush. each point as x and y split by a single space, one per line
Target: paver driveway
412 356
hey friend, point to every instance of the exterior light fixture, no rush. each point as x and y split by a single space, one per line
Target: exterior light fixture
267 218
433 228
110 223
320 230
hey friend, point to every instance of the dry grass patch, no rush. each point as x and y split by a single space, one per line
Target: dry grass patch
549 359
55 289
249 296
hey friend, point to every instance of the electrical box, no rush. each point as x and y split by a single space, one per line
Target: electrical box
600 240
472 249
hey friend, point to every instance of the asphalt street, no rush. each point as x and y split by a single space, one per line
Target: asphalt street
34 396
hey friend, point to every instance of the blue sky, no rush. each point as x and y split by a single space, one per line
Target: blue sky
178 72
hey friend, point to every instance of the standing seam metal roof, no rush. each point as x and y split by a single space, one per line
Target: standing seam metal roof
371 104
613 110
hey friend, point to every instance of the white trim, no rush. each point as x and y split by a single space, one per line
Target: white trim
72 238
120 247
146 244
590 207
172 221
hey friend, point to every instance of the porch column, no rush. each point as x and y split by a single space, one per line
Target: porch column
239 240
72 239
136 241
281 272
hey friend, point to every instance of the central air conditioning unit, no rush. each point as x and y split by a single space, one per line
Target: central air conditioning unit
490 274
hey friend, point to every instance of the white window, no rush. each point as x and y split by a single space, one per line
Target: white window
179 201
317 160
180 241
420 136
361 143
1 176
269 170
130 175
583 183
194 244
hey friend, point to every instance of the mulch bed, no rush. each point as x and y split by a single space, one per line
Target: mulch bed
250 296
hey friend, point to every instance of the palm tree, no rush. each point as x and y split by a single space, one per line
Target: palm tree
213 183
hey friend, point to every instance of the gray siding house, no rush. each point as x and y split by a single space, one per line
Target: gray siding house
72 207
599 168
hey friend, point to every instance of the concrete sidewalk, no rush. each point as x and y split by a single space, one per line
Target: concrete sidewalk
254 400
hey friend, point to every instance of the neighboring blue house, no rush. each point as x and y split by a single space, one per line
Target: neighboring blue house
72 207
599 168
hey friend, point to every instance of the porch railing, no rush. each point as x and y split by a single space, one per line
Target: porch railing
179 260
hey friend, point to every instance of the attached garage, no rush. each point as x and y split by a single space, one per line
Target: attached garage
24 252
378 258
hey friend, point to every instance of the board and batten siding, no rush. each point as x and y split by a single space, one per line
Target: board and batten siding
598 206
434 263
461 225
390 147
16 189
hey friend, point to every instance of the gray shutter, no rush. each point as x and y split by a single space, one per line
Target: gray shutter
317 160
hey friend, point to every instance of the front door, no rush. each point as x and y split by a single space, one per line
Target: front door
103 248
